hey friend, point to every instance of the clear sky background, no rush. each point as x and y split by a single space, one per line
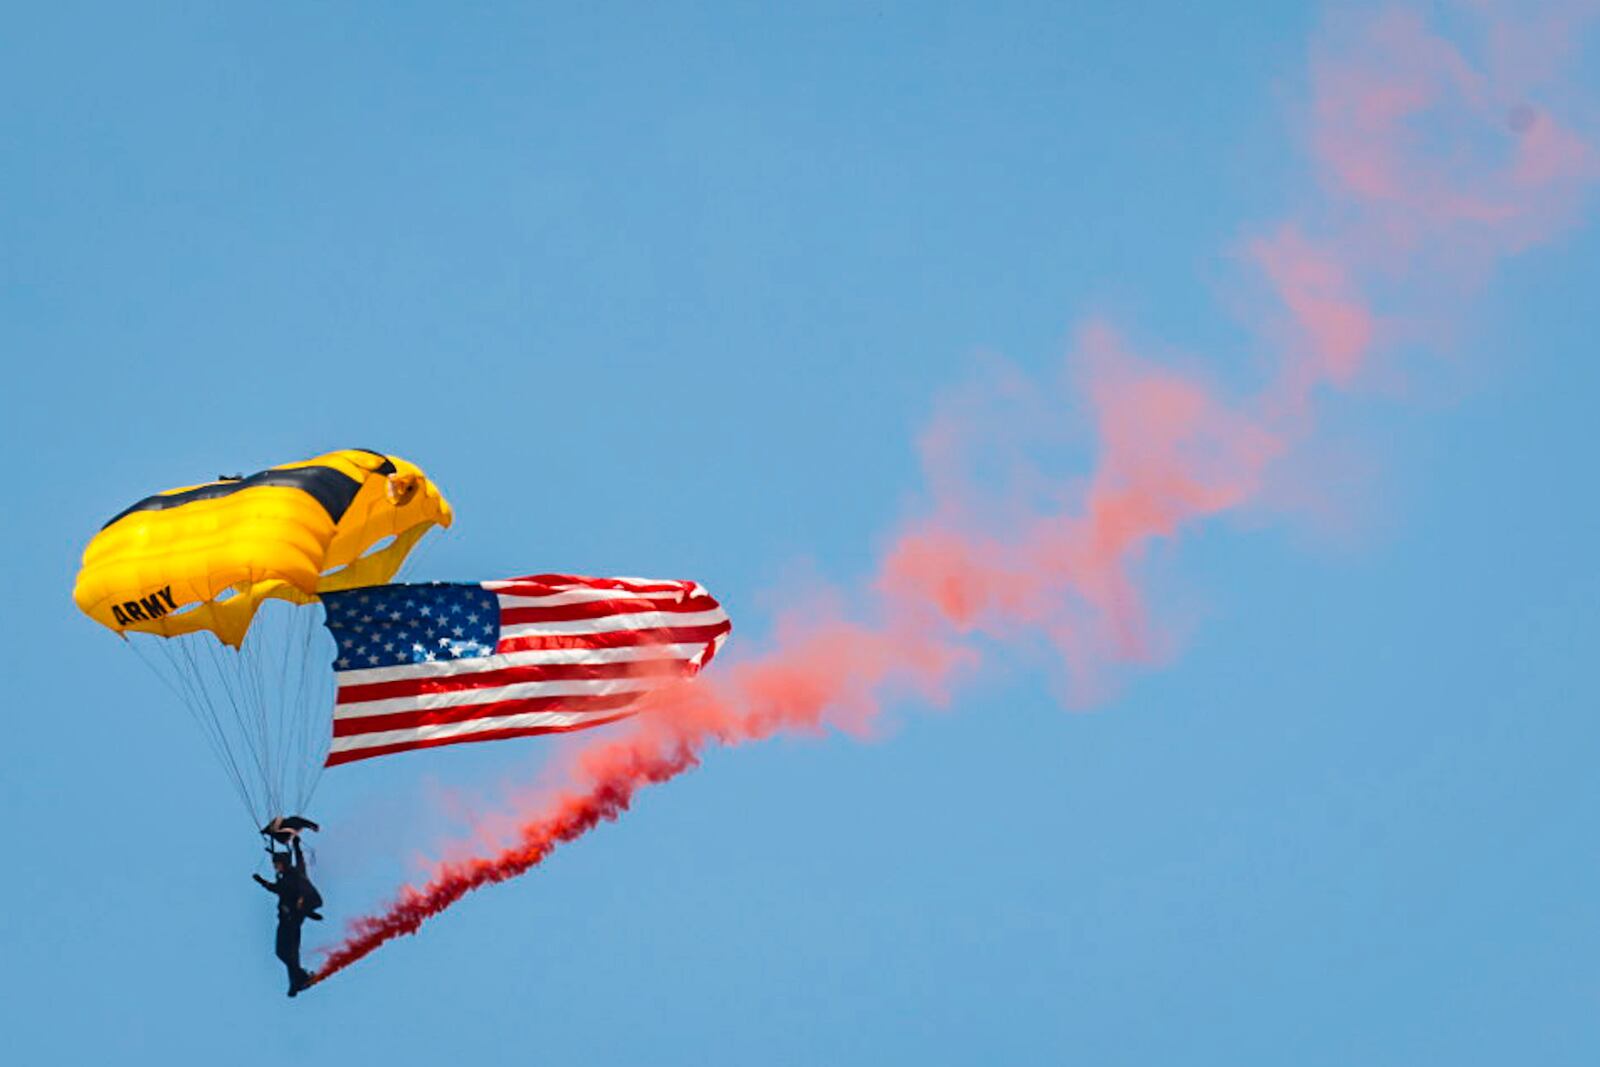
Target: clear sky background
671 294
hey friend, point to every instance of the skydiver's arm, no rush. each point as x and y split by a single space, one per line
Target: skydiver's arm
268 886
299 858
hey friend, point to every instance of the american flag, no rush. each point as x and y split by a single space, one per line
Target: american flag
438 663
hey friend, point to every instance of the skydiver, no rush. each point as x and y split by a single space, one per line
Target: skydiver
298 900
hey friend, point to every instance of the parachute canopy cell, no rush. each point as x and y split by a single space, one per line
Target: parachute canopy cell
204 557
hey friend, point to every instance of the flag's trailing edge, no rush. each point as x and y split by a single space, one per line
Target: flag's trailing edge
440 663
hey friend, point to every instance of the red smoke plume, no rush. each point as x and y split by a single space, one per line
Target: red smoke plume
1430 167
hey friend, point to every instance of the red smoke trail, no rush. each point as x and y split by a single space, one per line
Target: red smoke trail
1431 168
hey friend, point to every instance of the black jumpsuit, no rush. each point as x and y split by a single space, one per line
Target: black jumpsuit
297 898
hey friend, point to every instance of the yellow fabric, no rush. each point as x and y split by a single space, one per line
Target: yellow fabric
207 564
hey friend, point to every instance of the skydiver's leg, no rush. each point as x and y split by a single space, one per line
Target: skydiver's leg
283 948
288 946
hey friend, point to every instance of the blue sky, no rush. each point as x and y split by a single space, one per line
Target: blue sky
671 294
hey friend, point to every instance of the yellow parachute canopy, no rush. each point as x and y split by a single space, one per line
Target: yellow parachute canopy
204 557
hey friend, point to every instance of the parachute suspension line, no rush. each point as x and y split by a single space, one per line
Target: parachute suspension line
304 707
182 686
280 694
314 697
317 733
285 712
264 705
231 686
250 697
409 566
288 709
211 681
206 690
295 731
176 683
262 708
240 688
278 668
277 644
256 695
191 674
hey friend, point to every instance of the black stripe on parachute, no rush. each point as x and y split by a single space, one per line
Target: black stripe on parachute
333 489
386 467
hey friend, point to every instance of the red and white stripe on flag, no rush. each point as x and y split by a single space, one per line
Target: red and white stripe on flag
441 663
